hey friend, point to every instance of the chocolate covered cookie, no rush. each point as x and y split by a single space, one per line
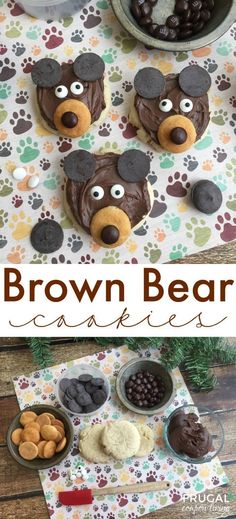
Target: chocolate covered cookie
171 111
73 96
107 195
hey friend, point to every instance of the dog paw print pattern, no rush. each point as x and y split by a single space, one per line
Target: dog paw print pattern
52 9
107 195
171 111
72 96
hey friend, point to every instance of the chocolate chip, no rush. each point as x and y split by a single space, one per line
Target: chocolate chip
99 396
149 82
79 165
89 67
47 236
85 378
46 73
194 81
206 196
74 407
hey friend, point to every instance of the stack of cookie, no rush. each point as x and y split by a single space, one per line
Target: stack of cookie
119 440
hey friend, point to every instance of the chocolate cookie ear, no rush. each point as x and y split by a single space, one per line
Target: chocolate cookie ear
79 165
46 73
133 165
89 67
194 81
149 82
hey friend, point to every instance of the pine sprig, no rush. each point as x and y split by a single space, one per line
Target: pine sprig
40 348
194 354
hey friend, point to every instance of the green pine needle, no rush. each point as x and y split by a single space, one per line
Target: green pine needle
194 354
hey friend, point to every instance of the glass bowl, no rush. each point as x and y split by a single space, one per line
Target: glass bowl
208 419
75 372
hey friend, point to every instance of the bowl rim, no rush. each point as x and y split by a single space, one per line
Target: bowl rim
132 407
63 375
29 464
185 457
178 46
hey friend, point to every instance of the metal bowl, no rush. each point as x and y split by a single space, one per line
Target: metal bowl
38 463
224 15
156 368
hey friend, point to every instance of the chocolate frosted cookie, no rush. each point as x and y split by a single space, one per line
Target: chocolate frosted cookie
171 111
73 96
107 195
206 196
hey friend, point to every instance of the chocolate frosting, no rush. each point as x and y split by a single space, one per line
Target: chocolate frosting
188 436
135 202
92 96
151 116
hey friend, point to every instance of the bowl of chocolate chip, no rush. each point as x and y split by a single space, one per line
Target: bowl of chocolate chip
194 434
145 386
175 25
82 390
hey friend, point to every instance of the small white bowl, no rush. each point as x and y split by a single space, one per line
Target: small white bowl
75 372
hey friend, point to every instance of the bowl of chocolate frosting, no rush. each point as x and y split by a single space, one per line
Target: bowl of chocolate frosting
194 434
175 25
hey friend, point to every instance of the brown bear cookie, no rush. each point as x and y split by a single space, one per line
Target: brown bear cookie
72 96
107 195
171 111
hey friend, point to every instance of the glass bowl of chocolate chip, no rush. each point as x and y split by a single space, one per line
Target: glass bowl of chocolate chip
175 25
82 390
145 386
194 434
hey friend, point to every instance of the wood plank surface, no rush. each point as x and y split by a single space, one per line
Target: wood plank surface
21 493
223 254
29 506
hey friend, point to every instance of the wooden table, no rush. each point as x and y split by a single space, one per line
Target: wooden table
21 494
222 254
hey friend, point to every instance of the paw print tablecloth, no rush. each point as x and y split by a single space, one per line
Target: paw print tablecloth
39 388
176 228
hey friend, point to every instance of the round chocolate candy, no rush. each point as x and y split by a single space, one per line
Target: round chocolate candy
110 234
205 15
196 5
84 399
181 6
145 21
161 32
47 236
206 196
97 382
75 407
173 21
64 384
99 397
90 408
135 10
146 9
198 26
85 378
178 136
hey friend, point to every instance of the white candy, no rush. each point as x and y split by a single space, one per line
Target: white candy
19 173
33 181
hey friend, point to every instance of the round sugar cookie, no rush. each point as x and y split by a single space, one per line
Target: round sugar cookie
146 440
90 444
121 439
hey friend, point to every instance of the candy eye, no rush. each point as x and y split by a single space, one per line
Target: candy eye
117 191
186 105
165 105
61 91
76 88
97 192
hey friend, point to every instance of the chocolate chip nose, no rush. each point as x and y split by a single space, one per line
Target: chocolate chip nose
178 135
110 234
69 119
